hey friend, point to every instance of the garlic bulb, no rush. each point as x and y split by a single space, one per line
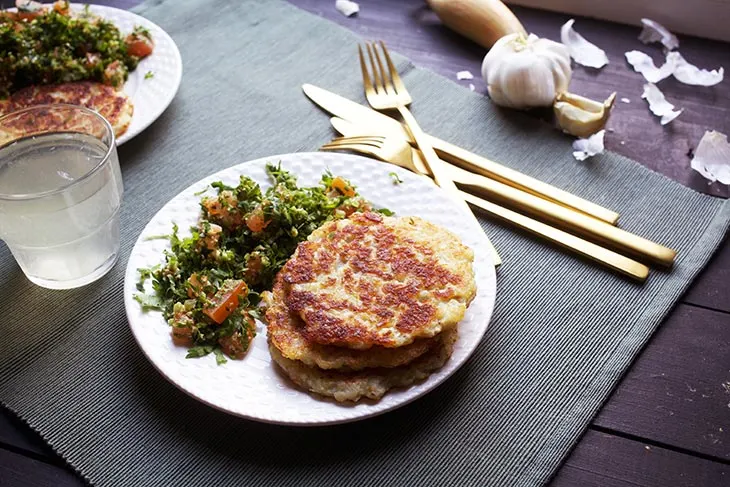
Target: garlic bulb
524 72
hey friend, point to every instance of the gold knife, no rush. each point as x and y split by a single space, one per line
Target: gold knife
379 124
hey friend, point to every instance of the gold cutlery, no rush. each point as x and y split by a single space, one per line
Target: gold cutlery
565 218
397 151
386 91
377 123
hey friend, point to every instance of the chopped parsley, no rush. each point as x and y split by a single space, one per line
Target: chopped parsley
149 75
209 285
149 302
395 177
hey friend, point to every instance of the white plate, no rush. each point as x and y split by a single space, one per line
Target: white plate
150 96
252 387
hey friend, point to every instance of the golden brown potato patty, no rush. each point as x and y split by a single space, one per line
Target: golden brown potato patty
369 383
285 332
113 105
379 281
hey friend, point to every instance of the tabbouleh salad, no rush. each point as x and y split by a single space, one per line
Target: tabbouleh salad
208 289
43 44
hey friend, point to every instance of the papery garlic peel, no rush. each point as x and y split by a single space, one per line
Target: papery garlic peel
526 71
582 116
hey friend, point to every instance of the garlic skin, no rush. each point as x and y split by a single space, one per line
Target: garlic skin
524 72
582 116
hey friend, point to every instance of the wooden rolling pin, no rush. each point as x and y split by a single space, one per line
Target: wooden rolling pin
482 21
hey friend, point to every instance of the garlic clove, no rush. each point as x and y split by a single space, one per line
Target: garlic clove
581 116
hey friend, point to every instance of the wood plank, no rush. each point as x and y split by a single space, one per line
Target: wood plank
599 460
411 29
712 287
603 460
20 471
19 437
678 391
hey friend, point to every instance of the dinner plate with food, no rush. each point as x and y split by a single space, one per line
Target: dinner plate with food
110 60
310 288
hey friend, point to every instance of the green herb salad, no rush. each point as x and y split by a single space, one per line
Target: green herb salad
48 44
208 288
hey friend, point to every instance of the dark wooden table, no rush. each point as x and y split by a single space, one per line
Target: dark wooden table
668 422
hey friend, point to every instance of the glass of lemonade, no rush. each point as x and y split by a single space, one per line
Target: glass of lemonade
60 193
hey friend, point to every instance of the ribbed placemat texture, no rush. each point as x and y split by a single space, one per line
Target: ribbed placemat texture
563 333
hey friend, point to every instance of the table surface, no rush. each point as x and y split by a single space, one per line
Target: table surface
668 421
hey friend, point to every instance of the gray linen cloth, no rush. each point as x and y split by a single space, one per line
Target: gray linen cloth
563 333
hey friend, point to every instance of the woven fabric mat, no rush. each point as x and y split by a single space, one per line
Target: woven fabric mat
563 333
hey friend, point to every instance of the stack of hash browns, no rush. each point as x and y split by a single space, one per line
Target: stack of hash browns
368 304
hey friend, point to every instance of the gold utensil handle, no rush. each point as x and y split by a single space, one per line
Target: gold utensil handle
596 253
437 167
481 165
568 219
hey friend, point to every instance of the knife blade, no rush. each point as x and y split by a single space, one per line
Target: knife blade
384 125
352 111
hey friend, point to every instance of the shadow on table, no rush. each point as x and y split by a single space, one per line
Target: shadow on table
268 445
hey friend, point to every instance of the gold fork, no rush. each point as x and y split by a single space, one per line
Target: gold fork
398 152
386 91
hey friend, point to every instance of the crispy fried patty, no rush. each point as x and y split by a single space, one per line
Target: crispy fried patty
113 105
284 330
379 281
370 383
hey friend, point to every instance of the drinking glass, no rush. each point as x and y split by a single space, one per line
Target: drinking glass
60 193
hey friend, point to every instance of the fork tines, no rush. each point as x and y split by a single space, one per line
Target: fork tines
385 87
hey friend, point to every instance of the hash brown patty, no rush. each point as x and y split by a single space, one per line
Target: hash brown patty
112 104
369 383
372 280
284 330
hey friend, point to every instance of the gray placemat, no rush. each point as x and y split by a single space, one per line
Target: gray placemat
563 333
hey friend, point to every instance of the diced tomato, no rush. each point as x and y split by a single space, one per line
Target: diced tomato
343 187
236 345
182 336
232 346
225 300
62 7
256 221
27 15
138 45
182 326
224 210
